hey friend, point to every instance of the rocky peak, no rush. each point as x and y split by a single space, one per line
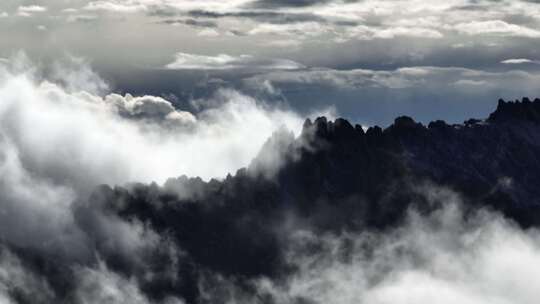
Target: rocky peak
405 125
404 122
509 111
323 128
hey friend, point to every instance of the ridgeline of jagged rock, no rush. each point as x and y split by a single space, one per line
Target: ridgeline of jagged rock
526 110
334 176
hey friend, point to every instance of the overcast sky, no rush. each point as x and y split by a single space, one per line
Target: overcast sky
370 60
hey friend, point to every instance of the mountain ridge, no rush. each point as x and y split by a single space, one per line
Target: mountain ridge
333 177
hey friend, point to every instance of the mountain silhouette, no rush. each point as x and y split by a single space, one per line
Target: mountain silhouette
333 177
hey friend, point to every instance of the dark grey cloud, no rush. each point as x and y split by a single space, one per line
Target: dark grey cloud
191 22
287 3
261 16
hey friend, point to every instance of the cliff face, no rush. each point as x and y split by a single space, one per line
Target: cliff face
335 176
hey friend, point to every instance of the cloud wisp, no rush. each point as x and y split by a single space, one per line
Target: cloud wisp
519 61
401 78
28 11
185 61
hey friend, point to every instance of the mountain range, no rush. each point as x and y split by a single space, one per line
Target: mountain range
333 177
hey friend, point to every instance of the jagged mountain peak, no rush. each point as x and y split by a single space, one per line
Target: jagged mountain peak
524 110
337 177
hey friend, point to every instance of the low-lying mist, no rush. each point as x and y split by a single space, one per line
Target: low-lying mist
441 257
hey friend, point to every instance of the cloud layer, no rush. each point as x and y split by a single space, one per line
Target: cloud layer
353 31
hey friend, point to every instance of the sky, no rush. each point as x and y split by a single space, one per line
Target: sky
369 60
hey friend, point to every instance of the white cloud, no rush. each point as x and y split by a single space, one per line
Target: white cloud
287 43
517 61
27 11
185 61
74 74
149 107
407 32
469 82
132 6
118 6
496 27
209 32
81 18
4 15
363 32
70 10
32 9
298 29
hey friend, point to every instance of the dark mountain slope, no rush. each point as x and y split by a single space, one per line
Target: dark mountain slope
334 176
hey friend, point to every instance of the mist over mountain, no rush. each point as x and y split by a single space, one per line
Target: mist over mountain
269 152
333 215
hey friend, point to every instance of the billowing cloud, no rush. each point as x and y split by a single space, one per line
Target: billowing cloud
148 107
185 61
51 109
58 143
86 139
